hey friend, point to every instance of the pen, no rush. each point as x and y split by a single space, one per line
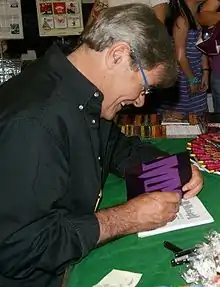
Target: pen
172 247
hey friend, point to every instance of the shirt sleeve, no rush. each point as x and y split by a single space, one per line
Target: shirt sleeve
128 151
35 235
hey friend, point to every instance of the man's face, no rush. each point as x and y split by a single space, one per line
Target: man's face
123 85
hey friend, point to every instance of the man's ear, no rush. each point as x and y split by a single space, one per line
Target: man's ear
117 54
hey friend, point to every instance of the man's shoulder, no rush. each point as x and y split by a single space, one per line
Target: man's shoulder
38 110
36 91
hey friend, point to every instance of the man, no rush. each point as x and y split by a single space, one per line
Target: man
58 144
209 16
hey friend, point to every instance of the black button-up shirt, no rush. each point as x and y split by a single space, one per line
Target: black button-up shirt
55 155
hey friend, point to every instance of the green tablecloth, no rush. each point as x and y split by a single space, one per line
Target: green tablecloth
146 255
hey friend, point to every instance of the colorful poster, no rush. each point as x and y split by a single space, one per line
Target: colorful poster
11 20
59 17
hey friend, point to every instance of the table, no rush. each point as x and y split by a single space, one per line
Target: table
146 255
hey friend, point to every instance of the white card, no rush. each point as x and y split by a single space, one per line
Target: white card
118 278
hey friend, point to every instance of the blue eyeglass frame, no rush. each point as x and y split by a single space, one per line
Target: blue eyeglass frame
144 77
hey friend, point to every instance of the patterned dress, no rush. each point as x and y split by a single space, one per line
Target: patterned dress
188 103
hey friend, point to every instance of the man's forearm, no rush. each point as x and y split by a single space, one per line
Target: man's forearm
144 212
115 222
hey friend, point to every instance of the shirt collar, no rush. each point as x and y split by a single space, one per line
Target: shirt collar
61 67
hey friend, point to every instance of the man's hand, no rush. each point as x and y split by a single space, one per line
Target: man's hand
144 212
194 186
153 210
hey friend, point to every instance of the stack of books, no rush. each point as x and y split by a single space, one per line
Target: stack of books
166 125
183 126
144 126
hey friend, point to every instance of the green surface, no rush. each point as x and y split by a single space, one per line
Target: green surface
146 255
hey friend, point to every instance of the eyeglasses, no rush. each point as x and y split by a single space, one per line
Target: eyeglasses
147 88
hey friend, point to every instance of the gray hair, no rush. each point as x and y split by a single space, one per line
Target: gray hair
138 26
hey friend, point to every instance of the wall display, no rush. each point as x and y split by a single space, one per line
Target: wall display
10 20
59 18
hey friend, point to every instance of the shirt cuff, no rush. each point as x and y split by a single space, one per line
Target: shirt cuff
88 231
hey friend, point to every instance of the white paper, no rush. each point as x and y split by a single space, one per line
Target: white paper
183 130
10 20
119 278
192 213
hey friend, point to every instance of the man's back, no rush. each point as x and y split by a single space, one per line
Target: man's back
41 208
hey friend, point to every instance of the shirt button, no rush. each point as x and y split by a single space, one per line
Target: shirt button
99 158
81 107
96 94
93 121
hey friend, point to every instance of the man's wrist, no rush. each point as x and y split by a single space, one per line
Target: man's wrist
115 222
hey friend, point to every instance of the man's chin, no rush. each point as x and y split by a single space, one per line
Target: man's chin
109 117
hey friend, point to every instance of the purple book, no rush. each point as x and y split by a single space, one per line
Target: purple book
165 174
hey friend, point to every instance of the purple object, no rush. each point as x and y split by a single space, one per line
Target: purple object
164 174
